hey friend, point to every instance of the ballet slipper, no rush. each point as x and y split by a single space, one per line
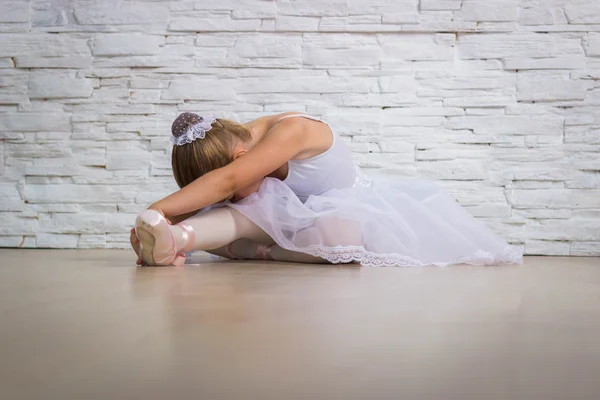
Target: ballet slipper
229 254
263 252
157 242
252 250
188 237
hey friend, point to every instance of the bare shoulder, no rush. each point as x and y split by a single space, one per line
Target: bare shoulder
312 137
316 137
268 121
281 126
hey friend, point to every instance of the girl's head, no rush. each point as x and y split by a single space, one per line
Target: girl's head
223 140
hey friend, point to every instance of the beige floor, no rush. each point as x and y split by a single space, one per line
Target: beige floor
90 325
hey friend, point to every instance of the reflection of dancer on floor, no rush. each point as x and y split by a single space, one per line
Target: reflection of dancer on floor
284 187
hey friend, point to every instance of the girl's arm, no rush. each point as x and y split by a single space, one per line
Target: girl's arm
280 144
175 219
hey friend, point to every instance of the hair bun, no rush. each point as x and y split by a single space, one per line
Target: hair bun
183 122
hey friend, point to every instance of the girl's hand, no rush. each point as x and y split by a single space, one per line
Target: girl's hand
135 243
158 210
161 212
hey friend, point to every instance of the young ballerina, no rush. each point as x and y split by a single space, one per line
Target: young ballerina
284 187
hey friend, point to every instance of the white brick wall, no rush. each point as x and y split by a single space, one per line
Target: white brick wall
498 100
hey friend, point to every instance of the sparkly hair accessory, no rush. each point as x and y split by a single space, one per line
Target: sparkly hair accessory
189 127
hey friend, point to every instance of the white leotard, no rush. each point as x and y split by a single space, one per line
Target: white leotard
332 169
326 208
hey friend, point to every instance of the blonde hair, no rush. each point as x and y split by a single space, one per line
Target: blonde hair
192 160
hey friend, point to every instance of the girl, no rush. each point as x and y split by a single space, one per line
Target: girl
284 187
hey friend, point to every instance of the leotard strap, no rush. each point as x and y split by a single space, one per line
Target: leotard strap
301 115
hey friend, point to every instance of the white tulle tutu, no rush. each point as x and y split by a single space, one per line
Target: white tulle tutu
380 222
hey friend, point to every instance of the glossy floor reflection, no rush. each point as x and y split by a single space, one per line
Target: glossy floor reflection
90 325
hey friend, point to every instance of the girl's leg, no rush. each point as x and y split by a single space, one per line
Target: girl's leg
217 228
327 231
233 235
214 231
248 249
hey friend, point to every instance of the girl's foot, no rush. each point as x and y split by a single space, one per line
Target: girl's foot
158 243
